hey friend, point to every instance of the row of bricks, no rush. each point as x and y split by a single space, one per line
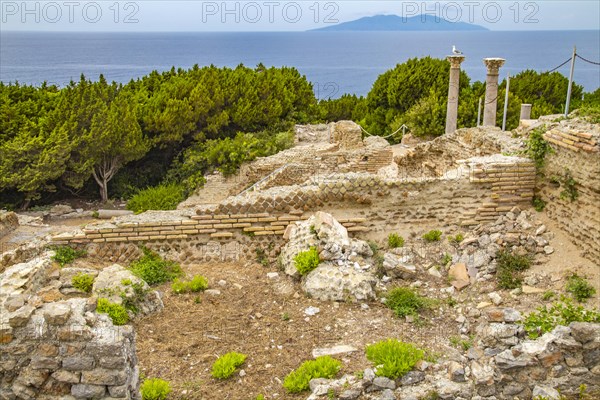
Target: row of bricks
570 145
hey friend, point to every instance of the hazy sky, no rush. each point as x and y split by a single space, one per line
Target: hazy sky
283 15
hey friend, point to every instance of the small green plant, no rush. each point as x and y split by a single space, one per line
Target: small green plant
538 203
464 344
161 197
306 261
116 312
580 288
569 187
95 214
560 313
197 300
83 282
537 147
155 389
285 317
154 269
451 301
395 241
510 266
548 294
197 284
126 282
261 257
456 239
377 259
260 397
331 394
405 301
313 231
250 234
66 255
136 294
225 365
321 367
446 259
359 374
393 358
431 395
433 236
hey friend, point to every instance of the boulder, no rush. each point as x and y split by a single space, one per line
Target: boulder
117 283
330 282
398 267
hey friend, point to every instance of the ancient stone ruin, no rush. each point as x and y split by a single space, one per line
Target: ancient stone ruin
333 191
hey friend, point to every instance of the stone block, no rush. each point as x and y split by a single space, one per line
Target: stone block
84 391
104 376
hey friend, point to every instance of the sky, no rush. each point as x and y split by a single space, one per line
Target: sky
283 15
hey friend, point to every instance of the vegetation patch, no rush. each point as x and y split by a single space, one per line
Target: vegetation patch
537 147
83 282
510 266
393 358
538 203
405 301
395 241
569 186
135 297
560 313
306 261
197 284
161 197
433 236
155 389
66 255
456 239
153 269
116 312
580 288
225 365
321 367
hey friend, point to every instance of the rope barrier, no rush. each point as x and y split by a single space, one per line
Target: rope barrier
554 69
586 60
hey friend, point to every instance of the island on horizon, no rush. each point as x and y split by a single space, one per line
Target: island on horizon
422 22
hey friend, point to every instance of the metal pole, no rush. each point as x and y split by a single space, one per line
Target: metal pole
506 102
570 81
479 112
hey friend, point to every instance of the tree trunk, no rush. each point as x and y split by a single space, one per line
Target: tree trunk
103 190
104 173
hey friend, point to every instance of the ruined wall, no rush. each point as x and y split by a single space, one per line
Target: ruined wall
56 348
576 148
8 222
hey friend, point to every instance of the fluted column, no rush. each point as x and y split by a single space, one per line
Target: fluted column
453 86
491 90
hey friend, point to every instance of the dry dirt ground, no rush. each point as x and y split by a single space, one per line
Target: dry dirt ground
264 319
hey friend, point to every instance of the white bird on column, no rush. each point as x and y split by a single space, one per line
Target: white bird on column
455 50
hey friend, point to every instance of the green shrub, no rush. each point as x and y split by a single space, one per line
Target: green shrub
538 203
66 255
261 257
570 187
405 301
433 236
155 389
560 313
395 241
548 294
225 365
580 288
116 312
538 147
161 197
509 268
456 239
393 358
135 296
306 261
153 269
83 282
446 259
197 284
321 367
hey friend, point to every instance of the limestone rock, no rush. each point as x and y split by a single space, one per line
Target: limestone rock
115 281
329 282
398 267
330 351
546 392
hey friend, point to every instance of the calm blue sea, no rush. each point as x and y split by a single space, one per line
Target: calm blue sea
336 62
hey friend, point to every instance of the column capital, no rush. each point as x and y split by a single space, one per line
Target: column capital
455 60
493 64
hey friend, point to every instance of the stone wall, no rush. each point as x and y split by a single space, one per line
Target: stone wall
56 348
576 149
8 222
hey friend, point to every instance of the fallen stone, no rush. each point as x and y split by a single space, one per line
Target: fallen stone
545 392
434 271
387 394
382 383
531 290
548 250
396 267
495 298
330 351
213 292
310 311
272 275
412 378
456 372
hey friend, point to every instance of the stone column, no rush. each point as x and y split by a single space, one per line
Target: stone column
453 86
525 111
491 90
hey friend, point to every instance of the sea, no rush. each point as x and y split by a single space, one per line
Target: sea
335 62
